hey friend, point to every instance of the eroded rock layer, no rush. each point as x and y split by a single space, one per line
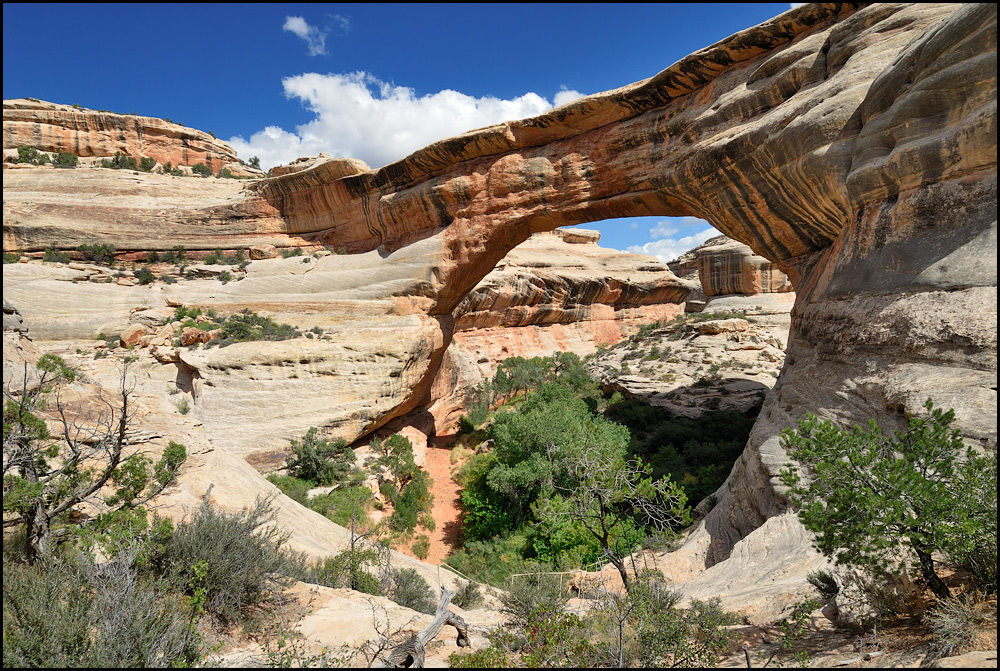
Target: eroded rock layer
854 146
730 267
559 291
52 127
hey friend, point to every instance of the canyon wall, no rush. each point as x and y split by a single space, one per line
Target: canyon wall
558 291
51 127
852 145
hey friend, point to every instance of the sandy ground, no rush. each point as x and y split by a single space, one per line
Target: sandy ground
447 501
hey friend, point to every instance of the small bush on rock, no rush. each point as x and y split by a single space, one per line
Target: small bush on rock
243 554
320 461
408 588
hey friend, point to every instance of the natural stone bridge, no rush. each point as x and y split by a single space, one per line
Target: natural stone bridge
854 145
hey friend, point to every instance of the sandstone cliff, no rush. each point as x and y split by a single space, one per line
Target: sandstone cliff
87 133
558 291
853 146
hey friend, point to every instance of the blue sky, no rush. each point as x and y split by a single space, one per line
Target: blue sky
372 81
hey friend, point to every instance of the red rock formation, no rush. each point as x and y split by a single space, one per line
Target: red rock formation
558 291
57 128
728 267
854 146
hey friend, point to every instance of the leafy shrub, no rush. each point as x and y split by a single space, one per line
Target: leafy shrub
102 253
825 584
31 156
201 169
409 589
120 161
347 505
243 555
183 405
247 326
168 169
468 595
289 252
350 569
421 546
292 487
53 256
146 164
11 257
183 313
65 159
68 612
869 494
145 276
320 461
175 255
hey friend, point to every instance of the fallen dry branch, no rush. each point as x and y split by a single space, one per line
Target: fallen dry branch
410 653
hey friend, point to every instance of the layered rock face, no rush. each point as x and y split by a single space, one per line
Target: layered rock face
90 133
854 146
729 267
558 291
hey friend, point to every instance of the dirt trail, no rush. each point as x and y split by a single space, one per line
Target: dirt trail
447 502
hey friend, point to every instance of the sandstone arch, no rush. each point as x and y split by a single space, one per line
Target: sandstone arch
855 145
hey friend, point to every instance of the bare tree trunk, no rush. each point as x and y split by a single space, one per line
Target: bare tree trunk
622 571
937 585
37 534
410 653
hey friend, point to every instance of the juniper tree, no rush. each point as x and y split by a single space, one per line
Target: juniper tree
876 501
47 474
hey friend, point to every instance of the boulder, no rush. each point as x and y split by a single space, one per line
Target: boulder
258 252
133 334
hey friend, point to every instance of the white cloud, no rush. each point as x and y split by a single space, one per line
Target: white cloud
343 22
565 95
314 37
668 247
359 116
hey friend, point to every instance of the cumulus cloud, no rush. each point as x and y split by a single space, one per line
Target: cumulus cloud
667 246
566 95
360 116
314 37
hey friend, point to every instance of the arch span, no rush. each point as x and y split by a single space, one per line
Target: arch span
853 145
780 136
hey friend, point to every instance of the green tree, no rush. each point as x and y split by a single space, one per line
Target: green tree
320 461
611 496
32 156
254 162
46 475
121 161
877 501
65 159
98 253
